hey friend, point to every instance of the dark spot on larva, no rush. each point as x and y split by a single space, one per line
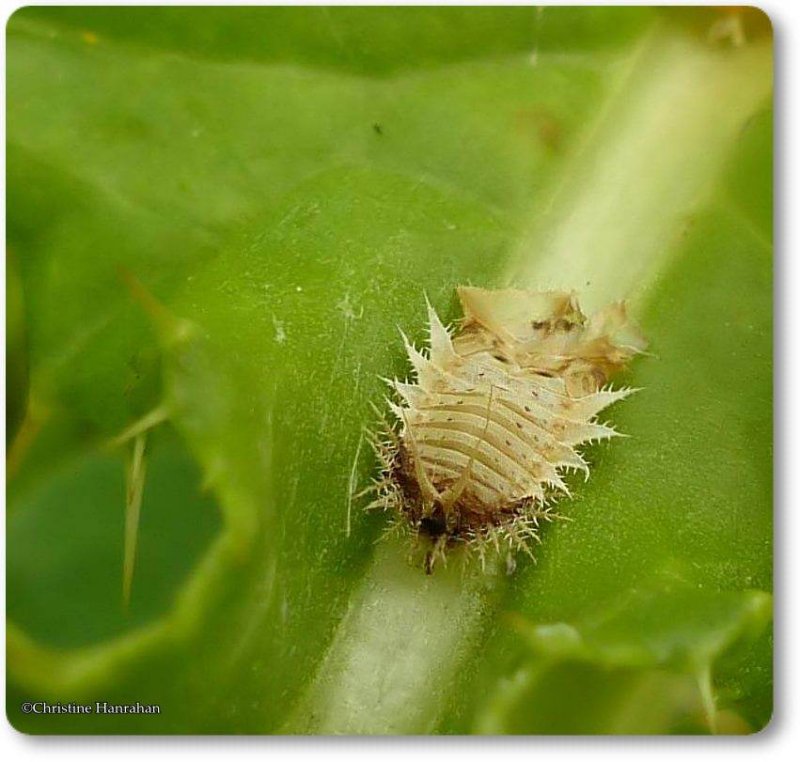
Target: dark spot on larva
459 402
377 128
526 409
519 425
539 324
508 443
433 526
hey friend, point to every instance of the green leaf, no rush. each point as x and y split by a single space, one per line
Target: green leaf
219 218
623 652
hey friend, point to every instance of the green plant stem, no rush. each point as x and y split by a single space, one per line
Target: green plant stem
397 649
647 165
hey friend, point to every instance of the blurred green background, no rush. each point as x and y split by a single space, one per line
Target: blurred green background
287 183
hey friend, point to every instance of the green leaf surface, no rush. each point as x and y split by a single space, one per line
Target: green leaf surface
217 220
623 652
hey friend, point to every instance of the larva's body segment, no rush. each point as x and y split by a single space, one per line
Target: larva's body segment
497 411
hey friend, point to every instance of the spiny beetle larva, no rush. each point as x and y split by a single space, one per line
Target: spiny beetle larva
498 410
